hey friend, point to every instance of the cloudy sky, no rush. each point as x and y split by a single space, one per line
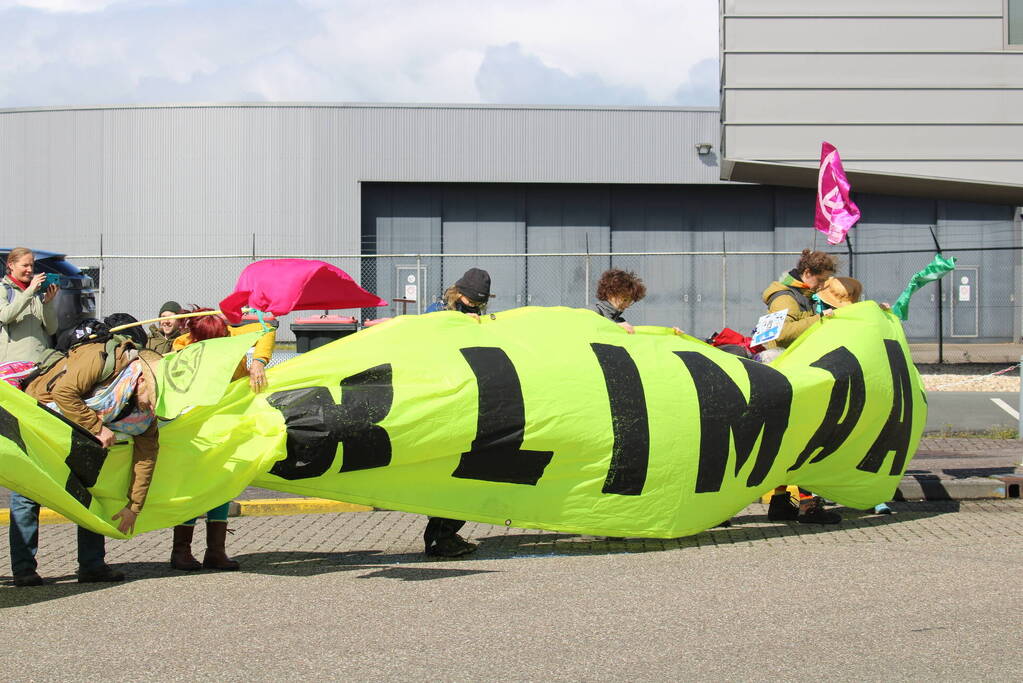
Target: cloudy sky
610 52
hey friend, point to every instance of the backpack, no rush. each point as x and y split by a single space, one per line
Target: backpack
733 342
55 356
802 300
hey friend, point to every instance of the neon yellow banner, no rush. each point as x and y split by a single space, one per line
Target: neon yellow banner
182 385
548 418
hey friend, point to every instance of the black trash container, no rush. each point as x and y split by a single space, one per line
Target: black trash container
313 332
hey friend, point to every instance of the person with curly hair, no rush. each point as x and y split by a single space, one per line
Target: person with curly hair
616 291
795 293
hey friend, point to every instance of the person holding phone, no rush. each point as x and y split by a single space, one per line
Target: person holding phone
28 315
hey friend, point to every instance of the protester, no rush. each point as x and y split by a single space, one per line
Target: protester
27 323
200 329
468 295
793 293
616 291
28 315
162 334
109 389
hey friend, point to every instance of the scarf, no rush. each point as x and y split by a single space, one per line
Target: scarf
114 405
791 279
21 285
608 310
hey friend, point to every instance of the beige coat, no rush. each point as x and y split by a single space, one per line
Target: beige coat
26 324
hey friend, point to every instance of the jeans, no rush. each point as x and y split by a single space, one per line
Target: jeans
217 514
24 539
441 527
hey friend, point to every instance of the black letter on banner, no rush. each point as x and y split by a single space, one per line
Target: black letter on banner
631 449
897 430
496 453
85 460
10 429
848 395
724 410
316 425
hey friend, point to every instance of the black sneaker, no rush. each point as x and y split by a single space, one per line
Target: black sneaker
106 574
782 508
451 546
816 514
30 579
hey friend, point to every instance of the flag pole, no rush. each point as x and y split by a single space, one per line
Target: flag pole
941 322
178 316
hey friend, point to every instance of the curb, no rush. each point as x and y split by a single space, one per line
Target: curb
265 507
932 487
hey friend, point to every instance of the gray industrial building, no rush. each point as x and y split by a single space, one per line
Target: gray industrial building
177 199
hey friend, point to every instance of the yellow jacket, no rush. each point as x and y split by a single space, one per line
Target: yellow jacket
263 349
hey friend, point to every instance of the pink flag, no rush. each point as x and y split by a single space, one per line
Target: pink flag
836 213
280 286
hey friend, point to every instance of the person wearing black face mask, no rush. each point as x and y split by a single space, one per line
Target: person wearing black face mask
468 295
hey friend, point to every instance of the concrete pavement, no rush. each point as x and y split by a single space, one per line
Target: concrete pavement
942 469
929 593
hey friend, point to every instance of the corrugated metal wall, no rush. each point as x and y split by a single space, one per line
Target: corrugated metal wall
701 294
899 86
169 179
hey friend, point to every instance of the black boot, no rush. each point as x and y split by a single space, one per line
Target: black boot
216 556
442 540
102 574
782 508
181 552
814 513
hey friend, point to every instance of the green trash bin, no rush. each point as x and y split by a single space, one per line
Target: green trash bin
316 331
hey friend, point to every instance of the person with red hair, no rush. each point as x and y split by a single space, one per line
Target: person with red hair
200 329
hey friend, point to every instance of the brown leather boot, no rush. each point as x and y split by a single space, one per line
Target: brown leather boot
181 554
216 557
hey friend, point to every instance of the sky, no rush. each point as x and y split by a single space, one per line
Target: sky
596 52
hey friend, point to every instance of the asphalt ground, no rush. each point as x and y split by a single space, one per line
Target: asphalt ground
971 411
930 593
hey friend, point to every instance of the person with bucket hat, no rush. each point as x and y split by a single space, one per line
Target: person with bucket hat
836 293
108 388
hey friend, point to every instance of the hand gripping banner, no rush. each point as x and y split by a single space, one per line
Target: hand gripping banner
548 418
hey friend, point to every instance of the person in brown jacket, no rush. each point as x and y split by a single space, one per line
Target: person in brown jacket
65 387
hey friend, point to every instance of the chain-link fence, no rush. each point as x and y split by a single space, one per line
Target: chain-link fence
974 314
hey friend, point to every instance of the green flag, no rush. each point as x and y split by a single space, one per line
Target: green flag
934 271
198 374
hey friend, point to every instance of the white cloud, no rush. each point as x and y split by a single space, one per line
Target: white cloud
56 52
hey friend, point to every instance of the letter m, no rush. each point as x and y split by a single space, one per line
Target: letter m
725 413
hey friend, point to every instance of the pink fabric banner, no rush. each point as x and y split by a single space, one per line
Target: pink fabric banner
836 212
280 286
